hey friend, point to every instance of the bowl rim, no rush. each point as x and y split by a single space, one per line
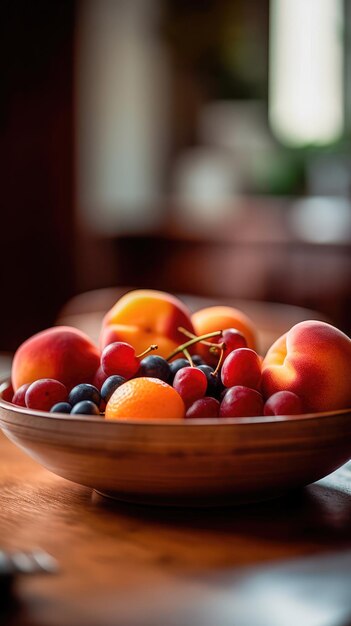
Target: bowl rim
208 421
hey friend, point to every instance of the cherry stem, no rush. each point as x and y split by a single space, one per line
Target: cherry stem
149 349
191 342
187 333
215 347
188 356
222 347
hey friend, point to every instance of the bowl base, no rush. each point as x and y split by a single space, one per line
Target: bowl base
207 502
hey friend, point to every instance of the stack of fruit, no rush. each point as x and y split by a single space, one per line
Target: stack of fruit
157 361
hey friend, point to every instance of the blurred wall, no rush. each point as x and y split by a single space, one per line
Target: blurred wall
135 148
36 157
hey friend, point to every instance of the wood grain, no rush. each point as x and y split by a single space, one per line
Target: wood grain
123 564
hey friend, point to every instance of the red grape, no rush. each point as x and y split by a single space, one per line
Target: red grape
191 384
44 393
283 403
240 401
233 340
204 407
242 367
19 397
99 378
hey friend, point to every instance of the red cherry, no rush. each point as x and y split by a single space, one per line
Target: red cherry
240 401
233 340
242 367
204 407
191 384
119 358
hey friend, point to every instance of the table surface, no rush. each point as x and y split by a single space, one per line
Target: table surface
132 565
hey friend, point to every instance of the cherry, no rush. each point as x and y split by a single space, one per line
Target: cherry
240 401
204 407
242 367
120 358
233 340
191 384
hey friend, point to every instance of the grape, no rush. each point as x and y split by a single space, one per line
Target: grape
197 359
233 340
242 367
44 393
175 366
110 385
240 401
214 384
84 391
61 407
204 407
85 407
119 358
154 366
99 378
19 396
191 384
283 403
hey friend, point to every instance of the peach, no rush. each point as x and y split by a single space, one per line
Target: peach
313 360
145 317
63 353
214 318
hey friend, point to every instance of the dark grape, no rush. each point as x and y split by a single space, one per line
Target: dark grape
154 366
110 385
197 359
85 407
61 407
214 383
84 391
175 366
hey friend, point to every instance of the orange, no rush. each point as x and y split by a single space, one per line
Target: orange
145 398
214 318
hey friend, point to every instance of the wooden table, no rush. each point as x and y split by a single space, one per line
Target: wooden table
261 565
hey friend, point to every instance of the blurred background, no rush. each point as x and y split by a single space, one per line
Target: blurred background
200 147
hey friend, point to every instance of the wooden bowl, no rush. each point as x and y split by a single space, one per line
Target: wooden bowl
194 463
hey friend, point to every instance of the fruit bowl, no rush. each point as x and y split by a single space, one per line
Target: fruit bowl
199 462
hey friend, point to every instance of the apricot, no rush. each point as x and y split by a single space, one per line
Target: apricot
63 353
215 318
144 317
312 360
